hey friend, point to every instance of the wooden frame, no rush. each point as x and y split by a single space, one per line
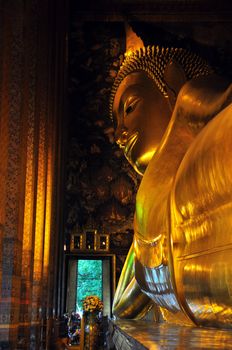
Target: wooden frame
90 240
77 242
71 275
103 242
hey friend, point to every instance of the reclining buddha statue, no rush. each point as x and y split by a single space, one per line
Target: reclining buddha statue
173 121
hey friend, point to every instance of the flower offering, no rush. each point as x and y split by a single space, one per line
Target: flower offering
92 304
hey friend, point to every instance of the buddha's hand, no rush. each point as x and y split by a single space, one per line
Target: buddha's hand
129 301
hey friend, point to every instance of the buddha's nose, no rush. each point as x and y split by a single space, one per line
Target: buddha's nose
121 136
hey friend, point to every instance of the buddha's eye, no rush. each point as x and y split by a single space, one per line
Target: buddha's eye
130 105
129 109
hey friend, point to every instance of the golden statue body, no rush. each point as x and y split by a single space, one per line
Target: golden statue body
174 123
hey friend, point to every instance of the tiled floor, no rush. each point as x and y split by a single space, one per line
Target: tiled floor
141 335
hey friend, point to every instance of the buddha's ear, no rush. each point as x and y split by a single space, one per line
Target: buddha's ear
175 78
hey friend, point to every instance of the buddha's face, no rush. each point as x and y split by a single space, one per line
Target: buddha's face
141 114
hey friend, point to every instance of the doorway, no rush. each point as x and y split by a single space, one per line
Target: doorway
90 275
89 280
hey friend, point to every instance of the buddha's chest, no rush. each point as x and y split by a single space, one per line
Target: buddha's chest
152 208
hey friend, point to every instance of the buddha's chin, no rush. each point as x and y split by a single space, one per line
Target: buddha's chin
137 167
140 164
140 168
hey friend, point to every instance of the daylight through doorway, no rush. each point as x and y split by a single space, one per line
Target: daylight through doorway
89 280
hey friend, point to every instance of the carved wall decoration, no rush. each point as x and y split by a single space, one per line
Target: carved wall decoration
94 161
123 189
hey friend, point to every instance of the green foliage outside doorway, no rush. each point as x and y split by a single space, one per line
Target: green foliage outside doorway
89 280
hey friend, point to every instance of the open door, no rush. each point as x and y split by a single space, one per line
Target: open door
96 279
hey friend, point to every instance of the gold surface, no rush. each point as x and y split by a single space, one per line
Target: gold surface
131 334
201 225
182 243
129 302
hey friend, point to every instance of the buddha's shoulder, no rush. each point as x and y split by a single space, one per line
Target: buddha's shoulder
205 94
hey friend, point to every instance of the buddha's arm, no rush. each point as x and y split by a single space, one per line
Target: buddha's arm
129 301
201 212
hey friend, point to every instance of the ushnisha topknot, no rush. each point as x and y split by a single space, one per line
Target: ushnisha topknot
153 60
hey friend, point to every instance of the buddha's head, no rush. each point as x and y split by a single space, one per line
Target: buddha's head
143 97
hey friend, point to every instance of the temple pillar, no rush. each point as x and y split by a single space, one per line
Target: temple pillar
32 37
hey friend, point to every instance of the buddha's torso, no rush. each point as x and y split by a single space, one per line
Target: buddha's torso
155 202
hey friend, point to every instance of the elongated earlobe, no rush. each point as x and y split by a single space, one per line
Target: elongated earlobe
175 78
